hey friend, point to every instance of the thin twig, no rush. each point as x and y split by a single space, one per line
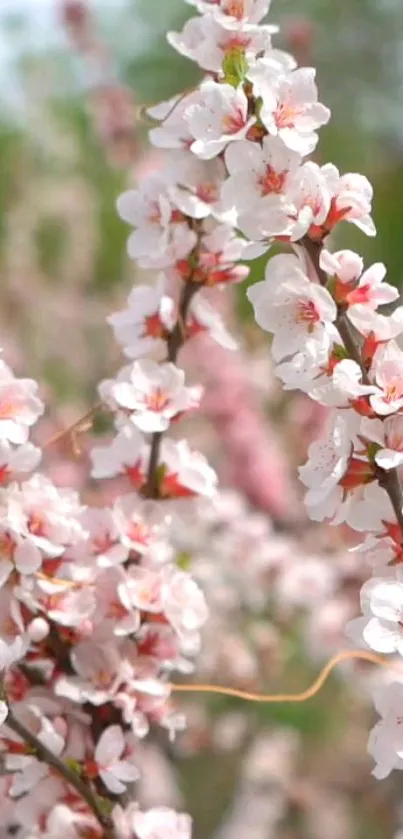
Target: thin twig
75 426
175 342
44 754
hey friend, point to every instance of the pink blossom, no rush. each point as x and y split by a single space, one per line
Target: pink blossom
219 117
113 771
141 327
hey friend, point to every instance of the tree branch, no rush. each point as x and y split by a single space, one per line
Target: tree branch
175 342
44 754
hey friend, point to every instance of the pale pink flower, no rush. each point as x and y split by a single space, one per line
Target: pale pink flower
197 188
220 117
346 266
385 742
173 133
388 435
20 406
352 201
387 370
161 823
67 605
287 304
203 317
154 394
113 611
114 771
291 109
128 454
14 461
326 466
256 171
234 14
186 472
383 630
207 42
141 589
103 541
154 243
358 290
183 601
141 328
100 673
138 522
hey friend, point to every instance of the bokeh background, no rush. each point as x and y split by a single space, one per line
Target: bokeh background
74 77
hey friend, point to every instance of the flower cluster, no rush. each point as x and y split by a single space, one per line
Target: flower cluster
96 608
259 115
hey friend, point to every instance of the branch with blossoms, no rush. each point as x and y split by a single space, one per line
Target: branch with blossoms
95 610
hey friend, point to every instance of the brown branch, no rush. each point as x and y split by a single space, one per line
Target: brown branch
388 480
44 754
175 342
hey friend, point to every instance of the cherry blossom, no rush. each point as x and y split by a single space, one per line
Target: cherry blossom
14 461
382 599
256 171
290 107
156 241
327 465
388 436
207 42
386 739
126 455
355 289
113 771
186 472
234 14
218 118
289 305
20 406
203 317
387 371
141 327
154 394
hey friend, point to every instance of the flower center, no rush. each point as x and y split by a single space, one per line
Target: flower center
285 114
157 400
8 407
233 122
153 326
207 192
138 532
394 390
306 312
272 181
235 8
7 546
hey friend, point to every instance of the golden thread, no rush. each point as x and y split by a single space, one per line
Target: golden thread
344 655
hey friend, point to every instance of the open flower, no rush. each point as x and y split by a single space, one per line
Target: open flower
148 319
113 771
290 108
154 394
220 117
287 304
20 406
